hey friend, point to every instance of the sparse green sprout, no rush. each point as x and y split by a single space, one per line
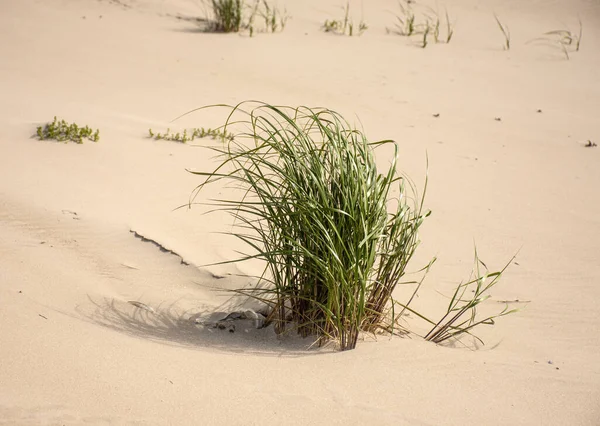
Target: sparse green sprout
331 26
195 133
449 29
231 16
64 132
274 20
405 25
564 39
272 17
345 26
425 23
579 36
505 32
436 31
461 316
425 33
410 25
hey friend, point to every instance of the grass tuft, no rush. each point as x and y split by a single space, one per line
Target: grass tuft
335 233
315 210
64 132
228 15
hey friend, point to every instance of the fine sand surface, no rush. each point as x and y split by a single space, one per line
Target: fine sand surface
74 351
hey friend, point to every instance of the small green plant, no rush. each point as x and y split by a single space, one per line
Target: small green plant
186 136
564 39
319 213
64 132
345 26
505 32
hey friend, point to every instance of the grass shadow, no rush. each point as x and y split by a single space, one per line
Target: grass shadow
170 325
196 25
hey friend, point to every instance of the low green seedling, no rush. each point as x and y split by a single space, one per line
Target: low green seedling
64 132
186 136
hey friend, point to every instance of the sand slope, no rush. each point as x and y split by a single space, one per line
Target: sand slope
74 351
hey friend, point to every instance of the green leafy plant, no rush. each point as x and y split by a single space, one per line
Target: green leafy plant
505 32
186 136
344 26
322 217
64 132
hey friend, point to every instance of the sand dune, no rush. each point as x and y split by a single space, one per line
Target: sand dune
504 132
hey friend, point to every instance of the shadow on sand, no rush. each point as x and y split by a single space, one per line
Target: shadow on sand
196 24
172 326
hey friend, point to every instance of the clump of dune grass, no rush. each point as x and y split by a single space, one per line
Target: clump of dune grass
62 131
316 210
425 22
505 32
346 25
335 233
188 136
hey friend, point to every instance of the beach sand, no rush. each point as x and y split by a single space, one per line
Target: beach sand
504 132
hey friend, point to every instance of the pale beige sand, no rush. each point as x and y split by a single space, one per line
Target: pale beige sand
73 351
